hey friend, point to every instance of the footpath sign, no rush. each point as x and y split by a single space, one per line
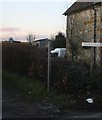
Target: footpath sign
88 44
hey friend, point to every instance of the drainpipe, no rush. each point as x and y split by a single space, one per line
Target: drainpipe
94 54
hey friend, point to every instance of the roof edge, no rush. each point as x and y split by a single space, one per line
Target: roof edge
72 8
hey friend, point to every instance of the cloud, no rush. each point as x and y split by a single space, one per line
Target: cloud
9 29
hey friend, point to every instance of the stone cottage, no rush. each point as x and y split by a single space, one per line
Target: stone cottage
84 24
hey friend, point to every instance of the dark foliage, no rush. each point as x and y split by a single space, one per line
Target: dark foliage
66 76
24 59
59 41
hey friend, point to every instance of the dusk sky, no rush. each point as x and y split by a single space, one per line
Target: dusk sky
43 19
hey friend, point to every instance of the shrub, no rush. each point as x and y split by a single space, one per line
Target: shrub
66 76
24 59
75 78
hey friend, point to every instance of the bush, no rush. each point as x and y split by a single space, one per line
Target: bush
24 59
75 78
66 76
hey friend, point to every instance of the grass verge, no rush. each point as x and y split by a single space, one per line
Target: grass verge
35 90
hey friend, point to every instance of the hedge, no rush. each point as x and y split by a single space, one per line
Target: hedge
66 76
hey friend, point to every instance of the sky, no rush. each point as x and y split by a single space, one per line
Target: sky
43 19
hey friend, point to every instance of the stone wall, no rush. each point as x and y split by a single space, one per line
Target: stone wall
80 27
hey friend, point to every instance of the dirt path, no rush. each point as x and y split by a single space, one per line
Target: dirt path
15 106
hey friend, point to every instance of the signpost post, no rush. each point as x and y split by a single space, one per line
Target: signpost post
49 61
49 65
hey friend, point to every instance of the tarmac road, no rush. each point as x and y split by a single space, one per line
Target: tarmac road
84 116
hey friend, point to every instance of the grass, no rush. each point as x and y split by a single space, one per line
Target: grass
35 90
29 87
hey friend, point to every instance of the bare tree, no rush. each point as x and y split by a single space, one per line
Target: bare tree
74 36
30 38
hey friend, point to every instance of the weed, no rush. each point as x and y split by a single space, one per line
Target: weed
35 90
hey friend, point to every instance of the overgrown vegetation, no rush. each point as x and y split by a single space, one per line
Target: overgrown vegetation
74 80
35 90
31 88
